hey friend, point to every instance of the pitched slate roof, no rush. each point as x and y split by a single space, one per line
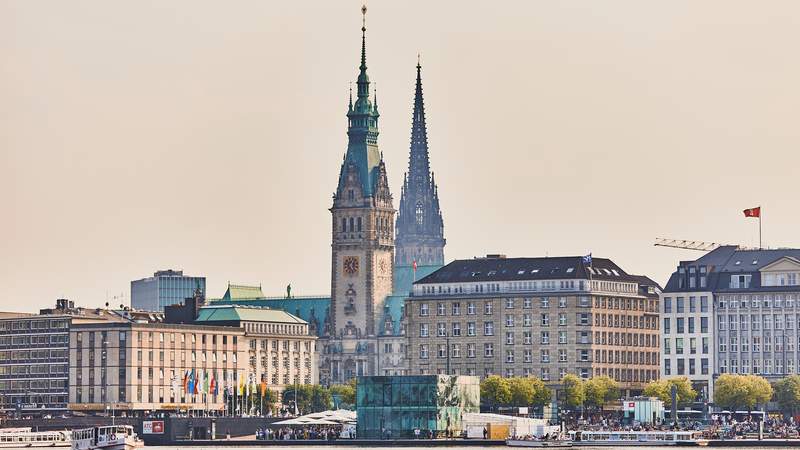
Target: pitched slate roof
512 269
729 260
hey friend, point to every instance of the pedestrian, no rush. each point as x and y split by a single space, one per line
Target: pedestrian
485 433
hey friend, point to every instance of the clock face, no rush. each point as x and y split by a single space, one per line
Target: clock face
351 265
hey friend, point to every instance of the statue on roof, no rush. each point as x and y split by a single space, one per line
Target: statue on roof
289 290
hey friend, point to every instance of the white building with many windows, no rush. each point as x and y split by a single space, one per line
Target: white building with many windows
732 311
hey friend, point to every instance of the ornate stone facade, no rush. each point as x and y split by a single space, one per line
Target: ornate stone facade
362 252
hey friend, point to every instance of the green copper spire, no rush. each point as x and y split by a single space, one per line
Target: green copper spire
363 155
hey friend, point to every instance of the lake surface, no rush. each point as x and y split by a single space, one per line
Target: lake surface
328 447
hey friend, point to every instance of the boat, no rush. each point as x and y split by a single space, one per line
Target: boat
24 437
637 438
521 442
114 437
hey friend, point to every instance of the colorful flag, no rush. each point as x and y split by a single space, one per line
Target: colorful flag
185 381
587 260
191 383
205 384
414 265
753 212
263 388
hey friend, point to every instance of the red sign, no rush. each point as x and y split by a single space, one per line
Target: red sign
153 427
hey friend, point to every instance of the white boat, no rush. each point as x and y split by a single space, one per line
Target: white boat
636 438
24 437
518 442
115 437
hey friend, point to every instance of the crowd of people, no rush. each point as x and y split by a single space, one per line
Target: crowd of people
305 433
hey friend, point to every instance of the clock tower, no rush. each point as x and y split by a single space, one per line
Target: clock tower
362 245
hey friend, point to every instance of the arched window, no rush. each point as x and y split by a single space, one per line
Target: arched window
419 213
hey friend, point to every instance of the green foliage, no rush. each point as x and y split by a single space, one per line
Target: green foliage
601 390
522 391
787 393
733 391
663 388
346 394
574 390
495 390
542 395
310 399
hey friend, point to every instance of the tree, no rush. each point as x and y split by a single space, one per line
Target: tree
663 390
522 391
787 393
600 390
660 390
733 391
346 395
543 393
574 390
495 390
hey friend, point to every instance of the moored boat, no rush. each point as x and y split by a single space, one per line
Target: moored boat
518 442
637 438
115 437
24 437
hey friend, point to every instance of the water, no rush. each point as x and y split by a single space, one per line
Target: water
495 447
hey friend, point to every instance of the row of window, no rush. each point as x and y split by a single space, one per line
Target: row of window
681 367
685 324
679 346
27 355
732 366
756 301
758 321
681 304
33 325
757 343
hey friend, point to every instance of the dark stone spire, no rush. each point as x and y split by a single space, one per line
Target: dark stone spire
420 229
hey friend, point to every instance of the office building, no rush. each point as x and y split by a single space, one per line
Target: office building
165 287
542 317
732 310
34 359
195 358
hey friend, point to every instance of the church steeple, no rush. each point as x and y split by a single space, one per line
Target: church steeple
420 229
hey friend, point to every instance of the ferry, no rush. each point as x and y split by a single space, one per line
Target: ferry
637 438
555 443
115 437
24 437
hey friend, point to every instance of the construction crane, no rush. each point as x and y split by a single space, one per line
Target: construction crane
687 245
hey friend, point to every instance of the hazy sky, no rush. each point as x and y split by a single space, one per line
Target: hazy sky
207 136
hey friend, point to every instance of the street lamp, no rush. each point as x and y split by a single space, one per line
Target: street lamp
113 417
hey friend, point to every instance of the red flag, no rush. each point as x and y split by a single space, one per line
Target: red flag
753 212
415 265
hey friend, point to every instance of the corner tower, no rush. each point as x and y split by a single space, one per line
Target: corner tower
420 229
362 246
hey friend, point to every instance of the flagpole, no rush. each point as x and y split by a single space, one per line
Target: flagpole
759 228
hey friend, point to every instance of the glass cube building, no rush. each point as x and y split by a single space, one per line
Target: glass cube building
393 406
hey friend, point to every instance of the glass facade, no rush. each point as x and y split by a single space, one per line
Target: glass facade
394 406
165 288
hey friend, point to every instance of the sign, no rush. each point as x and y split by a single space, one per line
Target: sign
153 427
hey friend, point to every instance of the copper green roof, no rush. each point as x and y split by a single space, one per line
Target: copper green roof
231 313
236 291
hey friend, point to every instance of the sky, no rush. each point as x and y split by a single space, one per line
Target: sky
207 136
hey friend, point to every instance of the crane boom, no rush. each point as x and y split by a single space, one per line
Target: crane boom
687 245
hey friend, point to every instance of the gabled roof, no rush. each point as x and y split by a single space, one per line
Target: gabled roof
242 292
232 313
